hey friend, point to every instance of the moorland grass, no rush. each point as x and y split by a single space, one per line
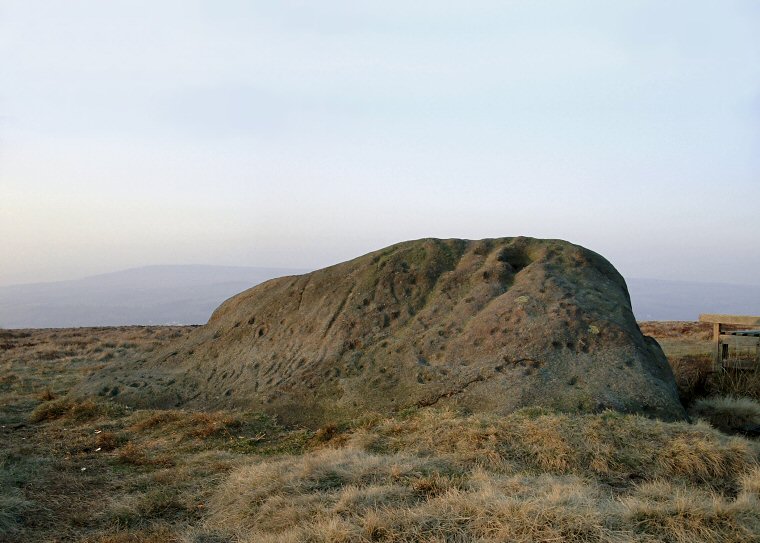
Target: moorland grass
729 414
92 470
441 476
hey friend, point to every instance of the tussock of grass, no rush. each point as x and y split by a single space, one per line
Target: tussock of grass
683 515
514 509
610 444
692 373
161 534
108 441
736 383
137 455
695 379
749 483
74 409
155 419
353 495
205 425
529 476
729 414
190 424
140 509
47 395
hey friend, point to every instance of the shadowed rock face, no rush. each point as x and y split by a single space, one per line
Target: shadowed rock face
490 325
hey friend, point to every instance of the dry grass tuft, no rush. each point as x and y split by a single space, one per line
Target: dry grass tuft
692 374
200 425
153 419
206 425
529 476
80 410
585 445
326 433
729 414
137 455
667 512
109 441
133 454
162 534
50 411
702 457
749 483
47 395
738 383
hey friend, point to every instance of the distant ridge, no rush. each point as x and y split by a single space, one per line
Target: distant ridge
657 299
189 294
147 295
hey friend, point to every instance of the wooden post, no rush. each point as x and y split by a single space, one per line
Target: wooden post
720 349
718 352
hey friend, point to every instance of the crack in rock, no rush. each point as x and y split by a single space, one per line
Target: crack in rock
450 393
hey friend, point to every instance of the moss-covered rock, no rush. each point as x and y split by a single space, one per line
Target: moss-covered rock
490 325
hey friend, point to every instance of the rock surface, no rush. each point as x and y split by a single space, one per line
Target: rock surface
490 325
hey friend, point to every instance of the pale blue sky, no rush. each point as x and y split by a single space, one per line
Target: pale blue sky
304 133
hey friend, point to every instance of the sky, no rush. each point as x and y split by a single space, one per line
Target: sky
300 134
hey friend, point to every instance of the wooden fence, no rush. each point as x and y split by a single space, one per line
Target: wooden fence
736 341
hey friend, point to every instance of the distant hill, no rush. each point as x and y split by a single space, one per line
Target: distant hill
656 299
149 295
188 295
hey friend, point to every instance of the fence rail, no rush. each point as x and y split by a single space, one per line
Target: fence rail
734 345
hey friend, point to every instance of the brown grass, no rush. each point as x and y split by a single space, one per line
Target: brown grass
138 455
665 512
108 441
162 534
736 383
689 349
692 374
690 331
695 379
47 395
729 414
201 425
351 495
530 476
424 475
74 409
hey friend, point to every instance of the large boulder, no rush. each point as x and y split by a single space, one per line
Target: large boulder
490 325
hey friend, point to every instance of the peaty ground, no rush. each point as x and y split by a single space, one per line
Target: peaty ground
94 470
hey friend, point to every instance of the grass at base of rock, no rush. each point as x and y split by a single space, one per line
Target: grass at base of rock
729 414
95 471
426 476
440 476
